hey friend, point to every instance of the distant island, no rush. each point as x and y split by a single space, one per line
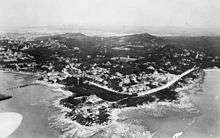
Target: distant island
114 68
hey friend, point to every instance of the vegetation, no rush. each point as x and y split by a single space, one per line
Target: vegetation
114 69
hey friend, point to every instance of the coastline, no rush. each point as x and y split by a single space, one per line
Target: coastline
153 112
52 86
117 119
115 128
55 87
58 87
34 103
206 99
68 85
117 123
195 83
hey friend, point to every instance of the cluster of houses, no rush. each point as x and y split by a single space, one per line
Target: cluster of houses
119 82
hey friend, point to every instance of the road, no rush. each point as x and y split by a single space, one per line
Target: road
166 85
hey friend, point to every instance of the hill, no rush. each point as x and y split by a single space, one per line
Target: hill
210 44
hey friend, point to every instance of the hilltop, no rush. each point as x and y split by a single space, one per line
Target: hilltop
159 52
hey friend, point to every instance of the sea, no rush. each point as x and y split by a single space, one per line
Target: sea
196 116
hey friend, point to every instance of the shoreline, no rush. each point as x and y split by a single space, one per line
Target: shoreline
34 103
117 124
194 84
55 87
52 86
78 130
58 87
115 113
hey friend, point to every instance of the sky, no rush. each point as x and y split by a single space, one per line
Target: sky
156 13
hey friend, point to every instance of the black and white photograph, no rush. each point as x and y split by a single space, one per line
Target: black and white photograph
109 69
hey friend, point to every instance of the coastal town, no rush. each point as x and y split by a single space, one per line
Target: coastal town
111 68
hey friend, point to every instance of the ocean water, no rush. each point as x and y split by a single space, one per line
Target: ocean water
32 102
196 116
189 118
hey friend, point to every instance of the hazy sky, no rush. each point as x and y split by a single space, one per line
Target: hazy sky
180 13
